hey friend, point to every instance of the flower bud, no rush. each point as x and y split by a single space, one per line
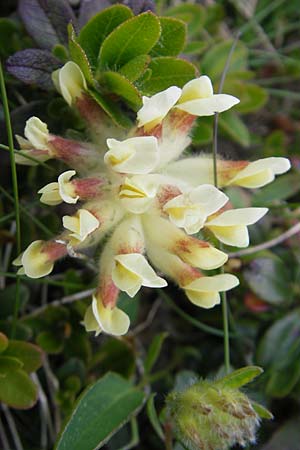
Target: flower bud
212 416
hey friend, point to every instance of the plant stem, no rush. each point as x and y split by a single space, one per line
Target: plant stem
215 165
15 191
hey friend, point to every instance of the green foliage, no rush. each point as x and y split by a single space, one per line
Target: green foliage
17 360
100 411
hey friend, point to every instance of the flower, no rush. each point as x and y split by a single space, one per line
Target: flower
38 259
56 193
81 224
70 82
230 226
204 291
131 271
198 99
136 155
136 192
190 210
155 108
101 318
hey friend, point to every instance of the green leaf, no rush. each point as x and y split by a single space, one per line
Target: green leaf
114 355
78 56
154 351
240 377
263 412
100 411
166 72
111 109
115 83
29 354
135 68
8 364
172 38
17 390
50 342
269 279
99 27
214 60
8 298
252 97
282 381
282 188
277 344
132 38
193 15
235 128
152 414
195 47
3 342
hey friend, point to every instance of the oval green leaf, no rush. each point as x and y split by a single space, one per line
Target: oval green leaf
29 354
135 68
166 72
79 57
115 83
101 25
100 411
132 38
17 390
172 38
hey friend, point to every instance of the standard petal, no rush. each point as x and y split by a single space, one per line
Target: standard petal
71 82
219 283
209 106
66 190
133 269
261 172
239 216
136 155
37 133
198 88
155 108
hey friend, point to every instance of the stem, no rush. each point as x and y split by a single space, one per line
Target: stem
15 191
215 166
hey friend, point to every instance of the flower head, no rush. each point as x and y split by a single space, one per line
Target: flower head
135 191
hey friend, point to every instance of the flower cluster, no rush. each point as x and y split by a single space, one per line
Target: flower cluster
149 203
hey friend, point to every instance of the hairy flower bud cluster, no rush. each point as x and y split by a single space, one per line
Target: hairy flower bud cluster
137 191
209 416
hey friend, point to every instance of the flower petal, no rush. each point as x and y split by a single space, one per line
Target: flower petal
198 88
204 291
155 108
235 235
66 189
137 193
136 155
37 133
261 172
71 82
36 262
112 321
81 224
50 194
209 106
90 323
132 271
239 216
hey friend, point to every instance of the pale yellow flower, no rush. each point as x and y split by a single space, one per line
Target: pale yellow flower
60 191
198 99
131 271
70 81
137 155
81 225
110 320
230 226
204 291
155 108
